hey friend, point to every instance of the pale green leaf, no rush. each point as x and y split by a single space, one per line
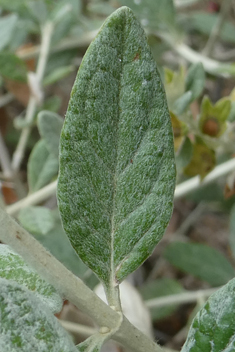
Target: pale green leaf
204 22
26 324
160 288
181 104
39 10
50 125
7 25
12 67
58 74
213 328
232 231
152 13
36 220
42 166
201 261
117 170
184 154
13 267
195 80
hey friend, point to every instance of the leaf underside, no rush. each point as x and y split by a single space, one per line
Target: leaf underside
117 171
27 325
213 328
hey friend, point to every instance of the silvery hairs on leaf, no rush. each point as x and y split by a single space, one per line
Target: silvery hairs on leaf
117 170
14 268
26 324
213 328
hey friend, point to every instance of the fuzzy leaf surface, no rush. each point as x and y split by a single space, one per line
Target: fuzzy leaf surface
213 328
117 170
13 267
50 125
26 324
42 166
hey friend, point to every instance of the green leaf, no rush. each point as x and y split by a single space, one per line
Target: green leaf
204 22
195 80
42 166
181 104
160 288
232 231
36 220
201 261
117 171
50 125
153 13
202 161
39 10
13 267
12 67
184 154
7 25
213 328
58 74
27 325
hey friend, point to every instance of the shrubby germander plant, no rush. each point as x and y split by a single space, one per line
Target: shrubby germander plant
115 194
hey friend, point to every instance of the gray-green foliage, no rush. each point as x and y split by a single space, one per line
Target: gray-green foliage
117 171
201 261
160 288
7 24
42 166
213 328
27 325
50 125
37 220
153 13
13 267
46 227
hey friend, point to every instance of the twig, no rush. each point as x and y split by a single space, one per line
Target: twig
6 99
185 3
179 298
33 199
181 190
195 182
18 155
212 66
216 30
65 44
78 328
5 160
191 219
70 286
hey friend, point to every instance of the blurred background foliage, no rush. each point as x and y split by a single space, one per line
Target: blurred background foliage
42 43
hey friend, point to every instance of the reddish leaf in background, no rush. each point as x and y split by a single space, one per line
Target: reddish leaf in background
8 192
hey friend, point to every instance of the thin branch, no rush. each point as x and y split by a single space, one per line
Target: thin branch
5 160
70 286
6 99
211 66
216 30
185 3
78 328
180 298
18 155
195 182
33 199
